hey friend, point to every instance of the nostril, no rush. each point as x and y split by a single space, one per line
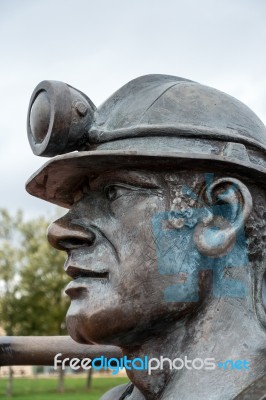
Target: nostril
68 244
72 243
67 238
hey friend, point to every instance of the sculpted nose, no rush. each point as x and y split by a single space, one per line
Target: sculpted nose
66 238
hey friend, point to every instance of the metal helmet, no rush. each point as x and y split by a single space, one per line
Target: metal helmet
153 122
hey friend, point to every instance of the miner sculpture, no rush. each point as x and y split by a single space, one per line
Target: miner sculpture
165 233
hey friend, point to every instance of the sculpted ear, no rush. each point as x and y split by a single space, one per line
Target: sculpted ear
230 204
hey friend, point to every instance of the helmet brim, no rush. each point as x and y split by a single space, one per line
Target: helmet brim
60 179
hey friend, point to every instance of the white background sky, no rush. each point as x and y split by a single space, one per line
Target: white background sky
97 46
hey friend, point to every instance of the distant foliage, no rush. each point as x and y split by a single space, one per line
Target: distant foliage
32 278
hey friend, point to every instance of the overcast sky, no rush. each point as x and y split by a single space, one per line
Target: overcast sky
97 46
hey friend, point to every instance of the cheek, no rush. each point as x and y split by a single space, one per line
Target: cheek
138 270
134 231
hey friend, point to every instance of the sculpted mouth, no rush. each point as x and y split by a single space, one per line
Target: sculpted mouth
77 273
82 279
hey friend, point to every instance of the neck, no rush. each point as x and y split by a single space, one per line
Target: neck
225 330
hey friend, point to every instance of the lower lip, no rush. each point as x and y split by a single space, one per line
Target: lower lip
83 282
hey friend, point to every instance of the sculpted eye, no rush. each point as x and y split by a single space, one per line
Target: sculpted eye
113 192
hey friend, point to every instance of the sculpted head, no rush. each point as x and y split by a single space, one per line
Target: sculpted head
166 205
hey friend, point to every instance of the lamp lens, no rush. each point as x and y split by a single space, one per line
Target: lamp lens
40 117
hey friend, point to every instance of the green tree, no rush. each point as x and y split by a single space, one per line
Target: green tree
8 275
33 300
42 282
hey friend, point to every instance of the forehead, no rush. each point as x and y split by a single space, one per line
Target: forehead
184 179
146 179
171 183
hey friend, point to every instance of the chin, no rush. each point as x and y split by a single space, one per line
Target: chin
87 326
76 330
108 326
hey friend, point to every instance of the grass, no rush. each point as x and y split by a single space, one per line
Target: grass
45 388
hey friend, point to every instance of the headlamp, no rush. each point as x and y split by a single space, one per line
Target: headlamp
59 119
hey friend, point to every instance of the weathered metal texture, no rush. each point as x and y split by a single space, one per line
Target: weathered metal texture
256 391
41 350
165 234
